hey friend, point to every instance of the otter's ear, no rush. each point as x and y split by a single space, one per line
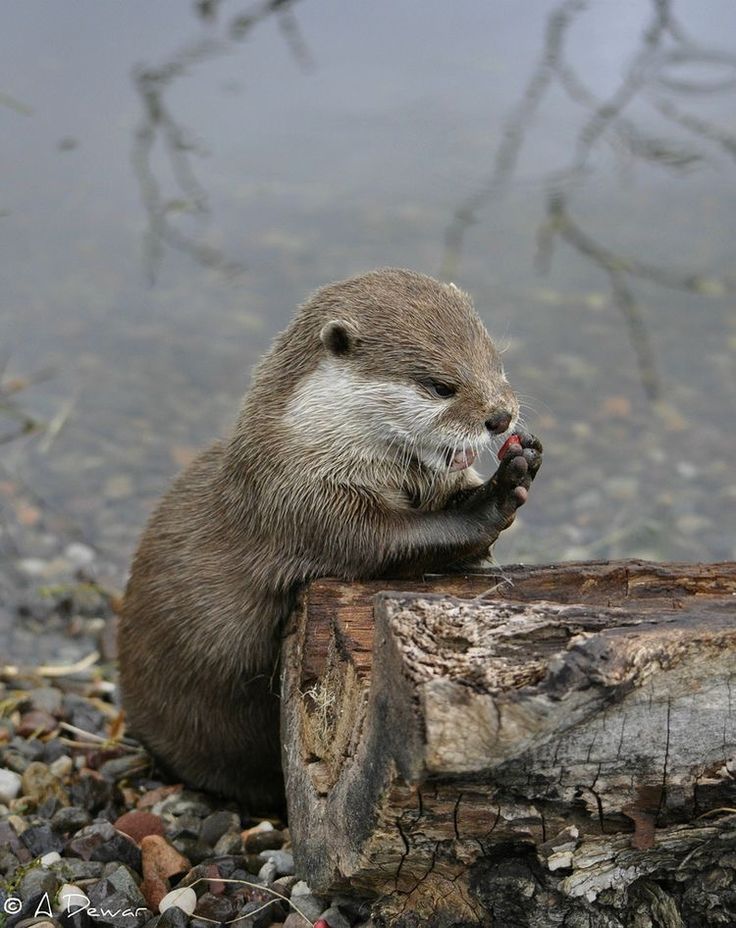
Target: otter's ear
339 337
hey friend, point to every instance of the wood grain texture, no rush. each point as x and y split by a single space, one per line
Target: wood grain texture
548 734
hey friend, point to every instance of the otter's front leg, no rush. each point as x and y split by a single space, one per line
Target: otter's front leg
502 494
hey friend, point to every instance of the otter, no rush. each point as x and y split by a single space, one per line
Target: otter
351 457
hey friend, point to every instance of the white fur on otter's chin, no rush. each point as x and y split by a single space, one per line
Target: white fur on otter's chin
351 418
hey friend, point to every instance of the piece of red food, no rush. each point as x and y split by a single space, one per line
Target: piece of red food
503 450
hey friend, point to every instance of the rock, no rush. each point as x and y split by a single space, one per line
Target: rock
9 863
72 869
83 714
268 872
10 784
309 904
71 897
257 841
174 917
183 898
36 722
115 908
294 920
45 699
80 555
71 818
53 857
217 824
41 839
334 918
39 784
161 860
93 793
184 826
193 849
155 890
300 888
52 751
123 880
62 766
187 804
260 917
100 841
36 882
284 861
138 825
218 908
229 844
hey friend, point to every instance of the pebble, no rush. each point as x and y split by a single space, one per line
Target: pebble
161 860
46 699
53 857
138 825
218 908
10 783
268 872
39 783
309 904
183 898
173 917
334 918
217 824
78 554
62 766
71 818
41 839
283 860
69 896
36 722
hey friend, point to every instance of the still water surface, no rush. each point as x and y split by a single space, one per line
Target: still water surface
177 177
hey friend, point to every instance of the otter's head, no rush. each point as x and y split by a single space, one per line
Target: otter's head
406 370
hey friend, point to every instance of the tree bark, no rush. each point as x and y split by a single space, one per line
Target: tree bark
538 747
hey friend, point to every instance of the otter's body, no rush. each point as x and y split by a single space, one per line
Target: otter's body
350 458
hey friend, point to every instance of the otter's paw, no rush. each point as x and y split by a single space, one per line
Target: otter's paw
500 497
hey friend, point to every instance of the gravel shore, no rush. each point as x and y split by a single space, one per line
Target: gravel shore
92 835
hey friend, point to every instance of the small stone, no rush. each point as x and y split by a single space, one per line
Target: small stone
229 844
258 841
260 917
71 869
183 898
37 882
116 908
100 841
36 722
41 839
53 857
218 908
294 920
70 897
160 859
71 818
80 555
216 825
62 766
268 872
309 904
193 849
46 699
93 793
333 918
123 880
300 888
154 889
173 917
138 825
38 784
10 784
284 861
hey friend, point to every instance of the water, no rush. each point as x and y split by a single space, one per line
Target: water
178 177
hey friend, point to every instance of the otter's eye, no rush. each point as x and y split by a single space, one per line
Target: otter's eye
443 390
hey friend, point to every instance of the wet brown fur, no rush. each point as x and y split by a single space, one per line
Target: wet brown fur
256 516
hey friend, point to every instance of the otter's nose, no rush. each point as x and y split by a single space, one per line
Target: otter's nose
498 422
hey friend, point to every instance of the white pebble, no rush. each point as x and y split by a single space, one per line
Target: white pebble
33 566
183 898
9 785
262 826
53 857
62 766
80 555
301 889
71 896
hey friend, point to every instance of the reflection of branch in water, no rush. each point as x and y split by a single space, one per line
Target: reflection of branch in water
158 125
605 117
514 133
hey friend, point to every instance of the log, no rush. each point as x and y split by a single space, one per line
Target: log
537 746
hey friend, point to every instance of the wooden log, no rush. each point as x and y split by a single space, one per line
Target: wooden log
538 746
